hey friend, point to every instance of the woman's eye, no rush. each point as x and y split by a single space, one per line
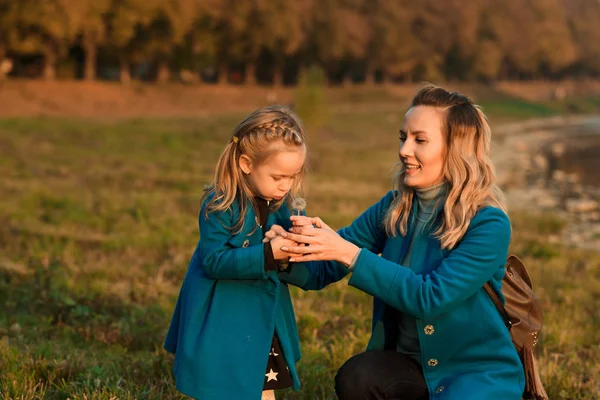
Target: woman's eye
276 179
402 138
420 140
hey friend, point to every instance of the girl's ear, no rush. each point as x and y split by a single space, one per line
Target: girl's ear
245 164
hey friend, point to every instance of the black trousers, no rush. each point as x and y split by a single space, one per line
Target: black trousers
376 375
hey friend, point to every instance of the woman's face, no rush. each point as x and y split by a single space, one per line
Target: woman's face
422 147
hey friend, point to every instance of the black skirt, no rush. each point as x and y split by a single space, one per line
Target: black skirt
278 374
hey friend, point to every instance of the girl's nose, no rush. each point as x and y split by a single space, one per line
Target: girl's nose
285 186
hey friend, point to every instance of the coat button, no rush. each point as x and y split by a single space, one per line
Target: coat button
246 243
440 389
429 330
432 362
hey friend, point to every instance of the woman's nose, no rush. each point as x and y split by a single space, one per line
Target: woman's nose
406 149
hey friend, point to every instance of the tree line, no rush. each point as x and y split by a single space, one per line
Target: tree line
273 41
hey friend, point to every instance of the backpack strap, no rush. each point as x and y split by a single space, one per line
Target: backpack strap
498 303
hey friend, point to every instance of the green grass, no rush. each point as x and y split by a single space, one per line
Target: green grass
98 221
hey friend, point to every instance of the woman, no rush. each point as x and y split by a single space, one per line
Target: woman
442 234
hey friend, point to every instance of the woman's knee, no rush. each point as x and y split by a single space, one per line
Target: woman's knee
380 375
353 380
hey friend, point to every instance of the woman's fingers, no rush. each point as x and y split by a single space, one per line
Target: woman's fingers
298 250
305 258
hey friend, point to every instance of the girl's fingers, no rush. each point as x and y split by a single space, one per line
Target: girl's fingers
275 231
305 230
301 220
320 224
301 238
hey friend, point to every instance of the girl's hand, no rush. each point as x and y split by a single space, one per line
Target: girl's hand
323 244
300 220
272 233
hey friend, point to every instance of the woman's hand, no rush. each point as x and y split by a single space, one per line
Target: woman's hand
323 244
277 245
277 236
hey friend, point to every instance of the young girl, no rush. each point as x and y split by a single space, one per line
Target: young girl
233 330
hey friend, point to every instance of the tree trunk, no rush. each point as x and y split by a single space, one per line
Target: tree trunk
223 72
251 73
3 73
385 77
125 75
347 80
49 72
370 75
164 74
91 52
301 75
278 74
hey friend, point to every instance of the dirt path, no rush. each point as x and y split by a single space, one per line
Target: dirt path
551 166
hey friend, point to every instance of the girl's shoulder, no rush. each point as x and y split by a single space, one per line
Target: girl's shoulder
210 208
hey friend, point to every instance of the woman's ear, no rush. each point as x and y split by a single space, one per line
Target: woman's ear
245 164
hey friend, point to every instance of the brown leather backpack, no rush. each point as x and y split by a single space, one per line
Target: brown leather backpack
522 315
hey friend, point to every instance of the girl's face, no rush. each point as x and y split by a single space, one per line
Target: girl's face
422 147
273 178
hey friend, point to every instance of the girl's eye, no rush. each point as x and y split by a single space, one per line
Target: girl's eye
420 140
276 178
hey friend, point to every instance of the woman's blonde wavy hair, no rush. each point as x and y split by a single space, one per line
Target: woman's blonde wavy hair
468 168
261 134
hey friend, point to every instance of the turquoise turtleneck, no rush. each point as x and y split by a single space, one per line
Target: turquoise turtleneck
428 198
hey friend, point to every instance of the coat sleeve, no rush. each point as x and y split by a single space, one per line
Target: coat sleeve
220 258
366 231
473 262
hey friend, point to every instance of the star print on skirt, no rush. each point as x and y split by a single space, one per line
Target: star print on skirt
277 375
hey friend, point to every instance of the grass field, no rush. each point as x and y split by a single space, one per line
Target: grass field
98 221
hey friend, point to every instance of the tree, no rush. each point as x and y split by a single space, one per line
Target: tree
555 47
232 35
434 33
127 21
8 23
202 38
90 19
582 18
464 27
392 46
532 34
45 26
287 33
169 27
341 32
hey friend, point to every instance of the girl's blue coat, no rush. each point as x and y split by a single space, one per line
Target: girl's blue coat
466 350
228 309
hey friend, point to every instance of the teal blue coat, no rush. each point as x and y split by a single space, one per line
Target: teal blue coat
466 350
227 311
